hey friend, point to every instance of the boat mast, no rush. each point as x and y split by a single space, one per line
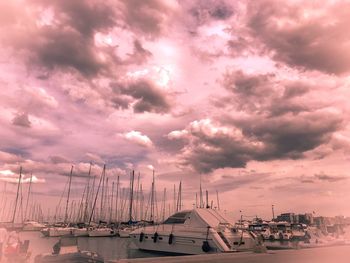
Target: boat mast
137 212
102 195
164 205
174 199
19 183
87 195
152 200
201 202
131 195
116 201
178 206
67 204
207 198
98 189
111 206
217 199
28 196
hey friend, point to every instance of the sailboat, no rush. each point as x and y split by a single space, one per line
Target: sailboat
31 225
64 229
102 230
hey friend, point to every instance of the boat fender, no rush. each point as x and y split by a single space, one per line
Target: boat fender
206 246
171 237
142 235
155 237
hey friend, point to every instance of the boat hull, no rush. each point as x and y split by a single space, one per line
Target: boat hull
69 257
180 244
102 233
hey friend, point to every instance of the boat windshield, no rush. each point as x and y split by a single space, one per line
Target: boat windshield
178 218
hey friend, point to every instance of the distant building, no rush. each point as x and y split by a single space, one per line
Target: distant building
287 217
293 218
307 219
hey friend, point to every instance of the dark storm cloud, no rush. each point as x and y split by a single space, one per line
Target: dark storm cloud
68 49
22 120
290 137
85 17
295 90
140 54
231 182
149 98
147 17
263 140
205 10
66 42
265 94
297 36
71 44
263 119
330 178
56 159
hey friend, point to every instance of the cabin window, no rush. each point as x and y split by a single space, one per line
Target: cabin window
178 218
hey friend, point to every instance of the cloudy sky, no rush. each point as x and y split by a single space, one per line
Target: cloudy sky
249 96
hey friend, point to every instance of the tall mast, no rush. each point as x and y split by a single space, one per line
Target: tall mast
174 199
131 196
87 195
201 205
19 183
152 200
217 199
178 206
111 206
28 196
67 204
102 194
141 203
137 214
164 205
116 201
207 198
98 189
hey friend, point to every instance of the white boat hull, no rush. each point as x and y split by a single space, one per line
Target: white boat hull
124 233
60 231
180 245
81 232
102 232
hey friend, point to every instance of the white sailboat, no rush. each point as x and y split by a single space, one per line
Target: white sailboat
65 229
32 226
197 231
102 232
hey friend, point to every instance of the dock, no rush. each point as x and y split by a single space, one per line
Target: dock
339 254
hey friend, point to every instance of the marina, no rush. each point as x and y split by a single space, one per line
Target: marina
121 250
174 131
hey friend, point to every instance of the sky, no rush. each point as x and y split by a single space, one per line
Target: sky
248 97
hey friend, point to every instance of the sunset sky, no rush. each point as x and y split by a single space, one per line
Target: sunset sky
250 96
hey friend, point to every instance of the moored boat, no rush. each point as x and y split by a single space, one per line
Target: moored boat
196 231
102 232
